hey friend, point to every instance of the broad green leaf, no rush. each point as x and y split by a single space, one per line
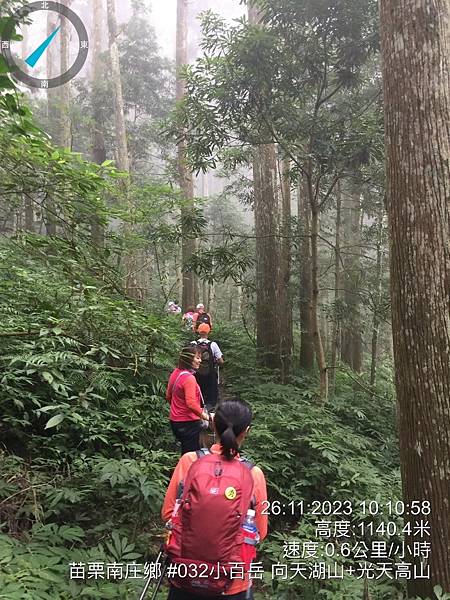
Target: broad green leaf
54 421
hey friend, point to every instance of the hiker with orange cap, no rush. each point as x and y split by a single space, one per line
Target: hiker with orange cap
206 374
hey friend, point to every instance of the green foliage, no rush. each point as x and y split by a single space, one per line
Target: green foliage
346 450
297 81
40 569
86 450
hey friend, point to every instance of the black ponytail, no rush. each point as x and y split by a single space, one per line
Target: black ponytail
231 419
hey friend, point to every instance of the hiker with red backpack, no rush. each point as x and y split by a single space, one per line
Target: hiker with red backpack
206 374
211 497
187 412
201 316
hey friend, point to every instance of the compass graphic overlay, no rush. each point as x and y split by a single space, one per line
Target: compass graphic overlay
17 72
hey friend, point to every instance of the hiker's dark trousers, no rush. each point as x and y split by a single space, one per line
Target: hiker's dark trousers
188 434
209 388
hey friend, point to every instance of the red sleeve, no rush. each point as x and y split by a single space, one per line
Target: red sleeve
260 497
190 395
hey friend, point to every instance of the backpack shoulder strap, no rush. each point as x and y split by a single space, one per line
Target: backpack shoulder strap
202 452
247 463
178 377
207 342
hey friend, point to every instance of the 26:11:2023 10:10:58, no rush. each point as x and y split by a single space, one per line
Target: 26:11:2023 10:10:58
346 508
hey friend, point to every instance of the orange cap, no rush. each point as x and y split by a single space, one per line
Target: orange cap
204 328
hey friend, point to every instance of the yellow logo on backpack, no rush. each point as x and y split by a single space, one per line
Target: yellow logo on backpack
230 493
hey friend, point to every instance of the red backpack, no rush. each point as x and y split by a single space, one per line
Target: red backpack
206 535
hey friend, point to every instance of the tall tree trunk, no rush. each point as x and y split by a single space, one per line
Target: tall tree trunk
351 332
178 290
284 299
64 91
28 202
304 244
51 60
254 13
204 291
239 301
98 141
123 162
211 298
315 321
49 207
185 177
29 214
267 264
266 211
324 330
416 50
336 331
377 305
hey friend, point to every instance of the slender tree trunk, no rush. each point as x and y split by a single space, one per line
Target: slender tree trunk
204 185
49 207
377 307
254 14
304 244
204 291
29 215
366 590
185 177
324 330
211 298
415 38
179 276
351 334
51 60
116 78
239 301
64 104
28 203
284 299
335 335
123 162
317 338
98 141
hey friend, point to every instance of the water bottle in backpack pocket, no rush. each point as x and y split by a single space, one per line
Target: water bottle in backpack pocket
251 539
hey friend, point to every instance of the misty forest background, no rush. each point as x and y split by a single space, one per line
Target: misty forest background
240 164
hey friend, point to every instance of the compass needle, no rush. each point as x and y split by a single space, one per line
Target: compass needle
36 55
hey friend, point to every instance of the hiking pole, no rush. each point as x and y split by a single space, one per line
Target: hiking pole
160 580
